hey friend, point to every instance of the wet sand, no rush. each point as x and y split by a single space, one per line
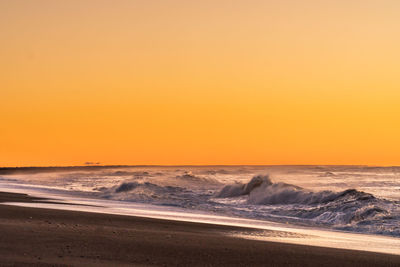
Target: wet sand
46 237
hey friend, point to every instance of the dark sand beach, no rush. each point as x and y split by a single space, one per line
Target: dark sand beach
45 237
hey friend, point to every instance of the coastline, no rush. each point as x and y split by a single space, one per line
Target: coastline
42 237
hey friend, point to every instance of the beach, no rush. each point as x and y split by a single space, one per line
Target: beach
50 237
200 133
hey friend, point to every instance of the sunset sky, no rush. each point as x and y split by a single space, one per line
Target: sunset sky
199 82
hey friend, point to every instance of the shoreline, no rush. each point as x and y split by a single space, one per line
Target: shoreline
59 237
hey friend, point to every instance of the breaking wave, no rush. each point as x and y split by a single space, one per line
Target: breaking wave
349 209
262 191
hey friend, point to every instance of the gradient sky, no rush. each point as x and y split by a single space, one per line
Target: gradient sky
199 82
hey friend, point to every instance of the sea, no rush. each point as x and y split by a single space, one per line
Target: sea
355 202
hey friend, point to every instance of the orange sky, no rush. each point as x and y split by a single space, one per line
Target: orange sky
199 82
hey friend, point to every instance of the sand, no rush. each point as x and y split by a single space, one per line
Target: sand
46 237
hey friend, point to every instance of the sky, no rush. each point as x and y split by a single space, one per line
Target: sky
199 82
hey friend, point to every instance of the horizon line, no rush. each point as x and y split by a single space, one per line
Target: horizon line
184 165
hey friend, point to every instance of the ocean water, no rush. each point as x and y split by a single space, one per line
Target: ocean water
355 199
